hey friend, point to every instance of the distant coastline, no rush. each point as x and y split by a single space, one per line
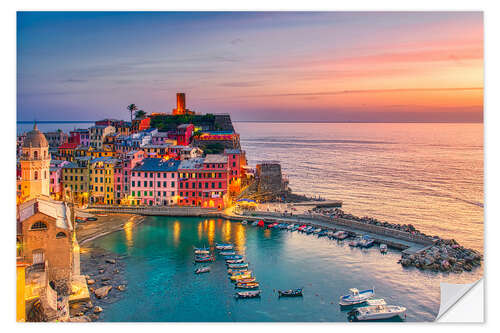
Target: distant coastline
276 121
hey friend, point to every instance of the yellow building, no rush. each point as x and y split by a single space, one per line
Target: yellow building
75 179
35 167
102 180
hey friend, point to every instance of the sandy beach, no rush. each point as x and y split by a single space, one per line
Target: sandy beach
86 232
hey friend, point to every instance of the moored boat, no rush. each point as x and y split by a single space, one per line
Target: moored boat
341 235
202 270
223 246
378 312
233 257
236 271
247 275
244 222
247 285
355 242
290 293
241 265
248 294
227 253
383 248
254 223
366 241
252 279
201 250
234 261
317 231
356 297
91 218
203 258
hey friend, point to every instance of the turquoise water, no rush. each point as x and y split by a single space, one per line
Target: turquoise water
162 285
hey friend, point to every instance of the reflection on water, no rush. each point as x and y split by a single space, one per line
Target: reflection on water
177 232
128 229
278 259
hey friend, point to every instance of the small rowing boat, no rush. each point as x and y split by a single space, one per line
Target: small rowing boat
234 261
248 294
201 250
356 297
238 271
202 270
223 246
290 293
241 265
204 259
247 275
233 257
227 253
247 285
377 312
252 279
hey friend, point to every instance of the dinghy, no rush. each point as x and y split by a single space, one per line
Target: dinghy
223 246
202 270
248 294
227 253
290 293
247 285
233 257
356 297
234 261
242 265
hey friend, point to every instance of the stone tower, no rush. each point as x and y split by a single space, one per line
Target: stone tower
35 166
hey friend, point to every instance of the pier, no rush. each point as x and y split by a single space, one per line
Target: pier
409 244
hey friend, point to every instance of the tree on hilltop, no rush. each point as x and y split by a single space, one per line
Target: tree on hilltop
131 108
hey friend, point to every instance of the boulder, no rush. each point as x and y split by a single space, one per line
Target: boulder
102 292
111 261
121 287
90 282
97 309
80 319
105 278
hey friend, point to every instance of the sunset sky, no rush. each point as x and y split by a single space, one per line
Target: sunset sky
327 66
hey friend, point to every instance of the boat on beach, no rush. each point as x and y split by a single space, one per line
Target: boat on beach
377 312
356 297
202 270
248 294
383 248
290 293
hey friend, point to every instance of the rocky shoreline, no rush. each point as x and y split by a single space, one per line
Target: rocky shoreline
445 255
104 272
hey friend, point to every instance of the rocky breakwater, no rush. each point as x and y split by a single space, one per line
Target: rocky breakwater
106 282
446 255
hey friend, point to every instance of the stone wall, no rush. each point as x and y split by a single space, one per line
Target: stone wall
269 177
155 211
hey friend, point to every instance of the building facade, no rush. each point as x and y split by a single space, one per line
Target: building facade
98 133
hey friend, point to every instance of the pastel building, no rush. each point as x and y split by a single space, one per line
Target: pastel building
123 172
203 182
236 162
75 179
56 185
98 133
154 182
102 179
80 136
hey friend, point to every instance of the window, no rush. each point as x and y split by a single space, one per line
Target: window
38 226
172 184
35 155
172 193
36 175
151 175
150 183
220 185
173 175
133 183
61 235
158 184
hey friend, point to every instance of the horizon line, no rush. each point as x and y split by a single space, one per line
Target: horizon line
277 121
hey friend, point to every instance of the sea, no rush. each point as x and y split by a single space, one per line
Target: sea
426 174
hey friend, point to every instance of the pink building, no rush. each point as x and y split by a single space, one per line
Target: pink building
123 171
56 186
154 182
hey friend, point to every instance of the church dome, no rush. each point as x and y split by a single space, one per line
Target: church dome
35 139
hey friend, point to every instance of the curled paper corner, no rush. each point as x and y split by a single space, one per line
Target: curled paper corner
455 298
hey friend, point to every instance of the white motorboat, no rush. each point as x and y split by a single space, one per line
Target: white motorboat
383 248
317 231
375 301
341 235
244 222
356 297
378 312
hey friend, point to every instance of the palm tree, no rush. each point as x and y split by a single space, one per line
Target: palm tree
139 114
131 108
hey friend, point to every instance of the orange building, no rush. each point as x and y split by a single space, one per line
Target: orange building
181 106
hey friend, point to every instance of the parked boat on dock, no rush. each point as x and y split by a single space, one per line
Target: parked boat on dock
356 297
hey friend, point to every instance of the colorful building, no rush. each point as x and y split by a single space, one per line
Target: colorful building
102 179
56 184
80 136
203 182
154 182
75 179
98 133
